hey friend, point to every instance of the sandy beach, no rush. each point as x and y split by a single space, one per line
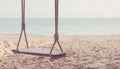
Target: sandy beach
82 52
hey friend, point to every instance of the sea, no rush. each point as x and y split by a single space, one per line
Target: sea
66 26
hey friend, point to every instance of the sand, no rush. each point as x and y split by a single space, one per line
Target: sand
82 52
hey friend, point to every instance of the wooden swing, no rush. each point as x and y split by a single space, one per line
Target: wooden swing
39 51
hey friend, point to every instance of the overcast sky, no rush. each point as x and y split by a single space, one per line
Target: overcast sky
67 8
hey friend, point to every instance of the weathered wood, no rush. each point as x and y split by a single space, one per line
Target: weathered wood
39 51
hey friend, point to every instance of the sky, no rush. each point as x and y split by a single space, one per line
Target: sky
67 8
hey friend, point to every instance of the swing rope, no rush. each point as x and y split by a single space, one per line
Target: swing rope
56 36
23 24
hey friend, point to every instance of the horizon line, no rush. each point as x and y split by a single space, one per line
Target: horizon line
61 18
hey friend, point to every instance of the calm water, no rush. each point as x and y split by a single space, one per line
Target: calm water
66 26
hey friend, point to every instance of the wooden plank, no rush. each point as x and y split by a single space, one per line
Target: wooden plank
40 51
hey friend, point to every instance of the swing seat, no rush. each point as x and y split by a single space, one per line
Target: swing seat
39 51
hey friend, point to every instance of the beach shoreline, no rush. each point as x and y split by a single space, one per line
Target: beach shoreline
82 52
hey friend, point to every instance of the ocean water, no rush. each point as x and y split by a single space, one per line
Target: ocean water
85 26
